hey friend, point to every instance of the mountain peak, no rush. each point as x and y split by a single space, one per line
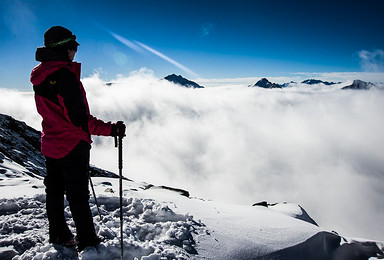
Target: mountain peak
317 81
359 84
265 83
179 80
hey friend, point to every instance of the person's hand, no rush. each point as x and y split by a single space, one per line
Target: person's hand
118 129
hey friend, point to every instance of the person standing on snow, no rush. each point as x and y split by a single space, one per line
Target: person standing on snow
66 137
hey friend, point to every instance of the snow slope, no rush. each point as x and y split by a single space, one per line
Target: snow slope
162 223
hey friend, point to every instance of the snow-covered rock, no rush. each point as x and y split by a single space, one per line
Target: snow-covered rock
360 85
265 83
317 81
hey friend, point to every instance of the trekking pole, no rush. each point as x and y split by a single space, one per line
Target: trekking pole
119 144
94 195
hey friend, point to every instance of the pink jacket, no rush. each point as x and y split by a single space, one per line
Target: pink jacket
60 134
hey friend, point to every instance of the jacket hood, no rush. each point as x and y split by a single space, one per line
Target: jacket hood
41 71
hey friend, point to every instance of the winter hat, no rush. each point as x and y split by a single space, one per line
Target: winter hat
58 36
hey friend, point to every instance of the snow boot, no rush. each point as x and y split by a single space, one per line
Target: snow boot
72 242
90 243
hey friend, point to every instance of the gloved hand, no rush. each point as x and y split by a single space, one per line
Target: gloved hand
118 129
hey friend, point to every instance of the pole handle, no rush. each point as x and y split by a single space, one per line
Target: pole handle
118 134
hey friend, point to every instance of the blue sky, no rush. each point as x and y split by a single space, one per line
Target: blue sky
197 39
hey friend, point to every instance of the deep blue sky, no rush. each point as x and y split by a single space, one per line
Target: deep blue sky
210 39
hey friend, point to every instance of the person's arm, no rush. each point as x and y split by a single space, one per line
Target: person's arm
99 127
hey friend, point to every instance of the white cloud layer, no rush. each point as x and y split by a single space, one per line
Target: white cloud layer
319 146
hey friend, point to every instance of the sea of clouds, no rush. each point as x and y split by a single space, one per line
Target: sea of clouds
318 146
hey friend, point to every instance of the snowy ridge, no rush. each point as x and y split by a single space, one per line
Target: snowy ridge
159 222
21 144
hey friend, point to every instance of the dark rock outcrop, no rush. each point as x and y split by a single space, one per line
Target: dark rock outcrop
265 83
317 81
179 80
360 85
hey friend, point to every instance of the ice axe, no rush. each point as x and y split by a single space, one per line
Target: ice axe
119 144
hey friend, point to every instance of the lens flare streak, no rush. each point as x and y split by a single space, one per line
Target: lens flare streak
141 47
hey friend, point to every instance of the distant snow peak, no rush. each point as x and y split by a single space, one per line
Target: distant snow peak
317 81
179 80
360 85
265 83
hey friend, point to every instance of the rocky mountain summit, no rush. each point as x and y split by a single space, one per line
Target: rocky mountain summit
317 81
356 85
265 83
360 85
179 80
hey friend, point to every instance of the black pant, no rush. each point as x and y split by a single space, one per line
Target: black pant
69 175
